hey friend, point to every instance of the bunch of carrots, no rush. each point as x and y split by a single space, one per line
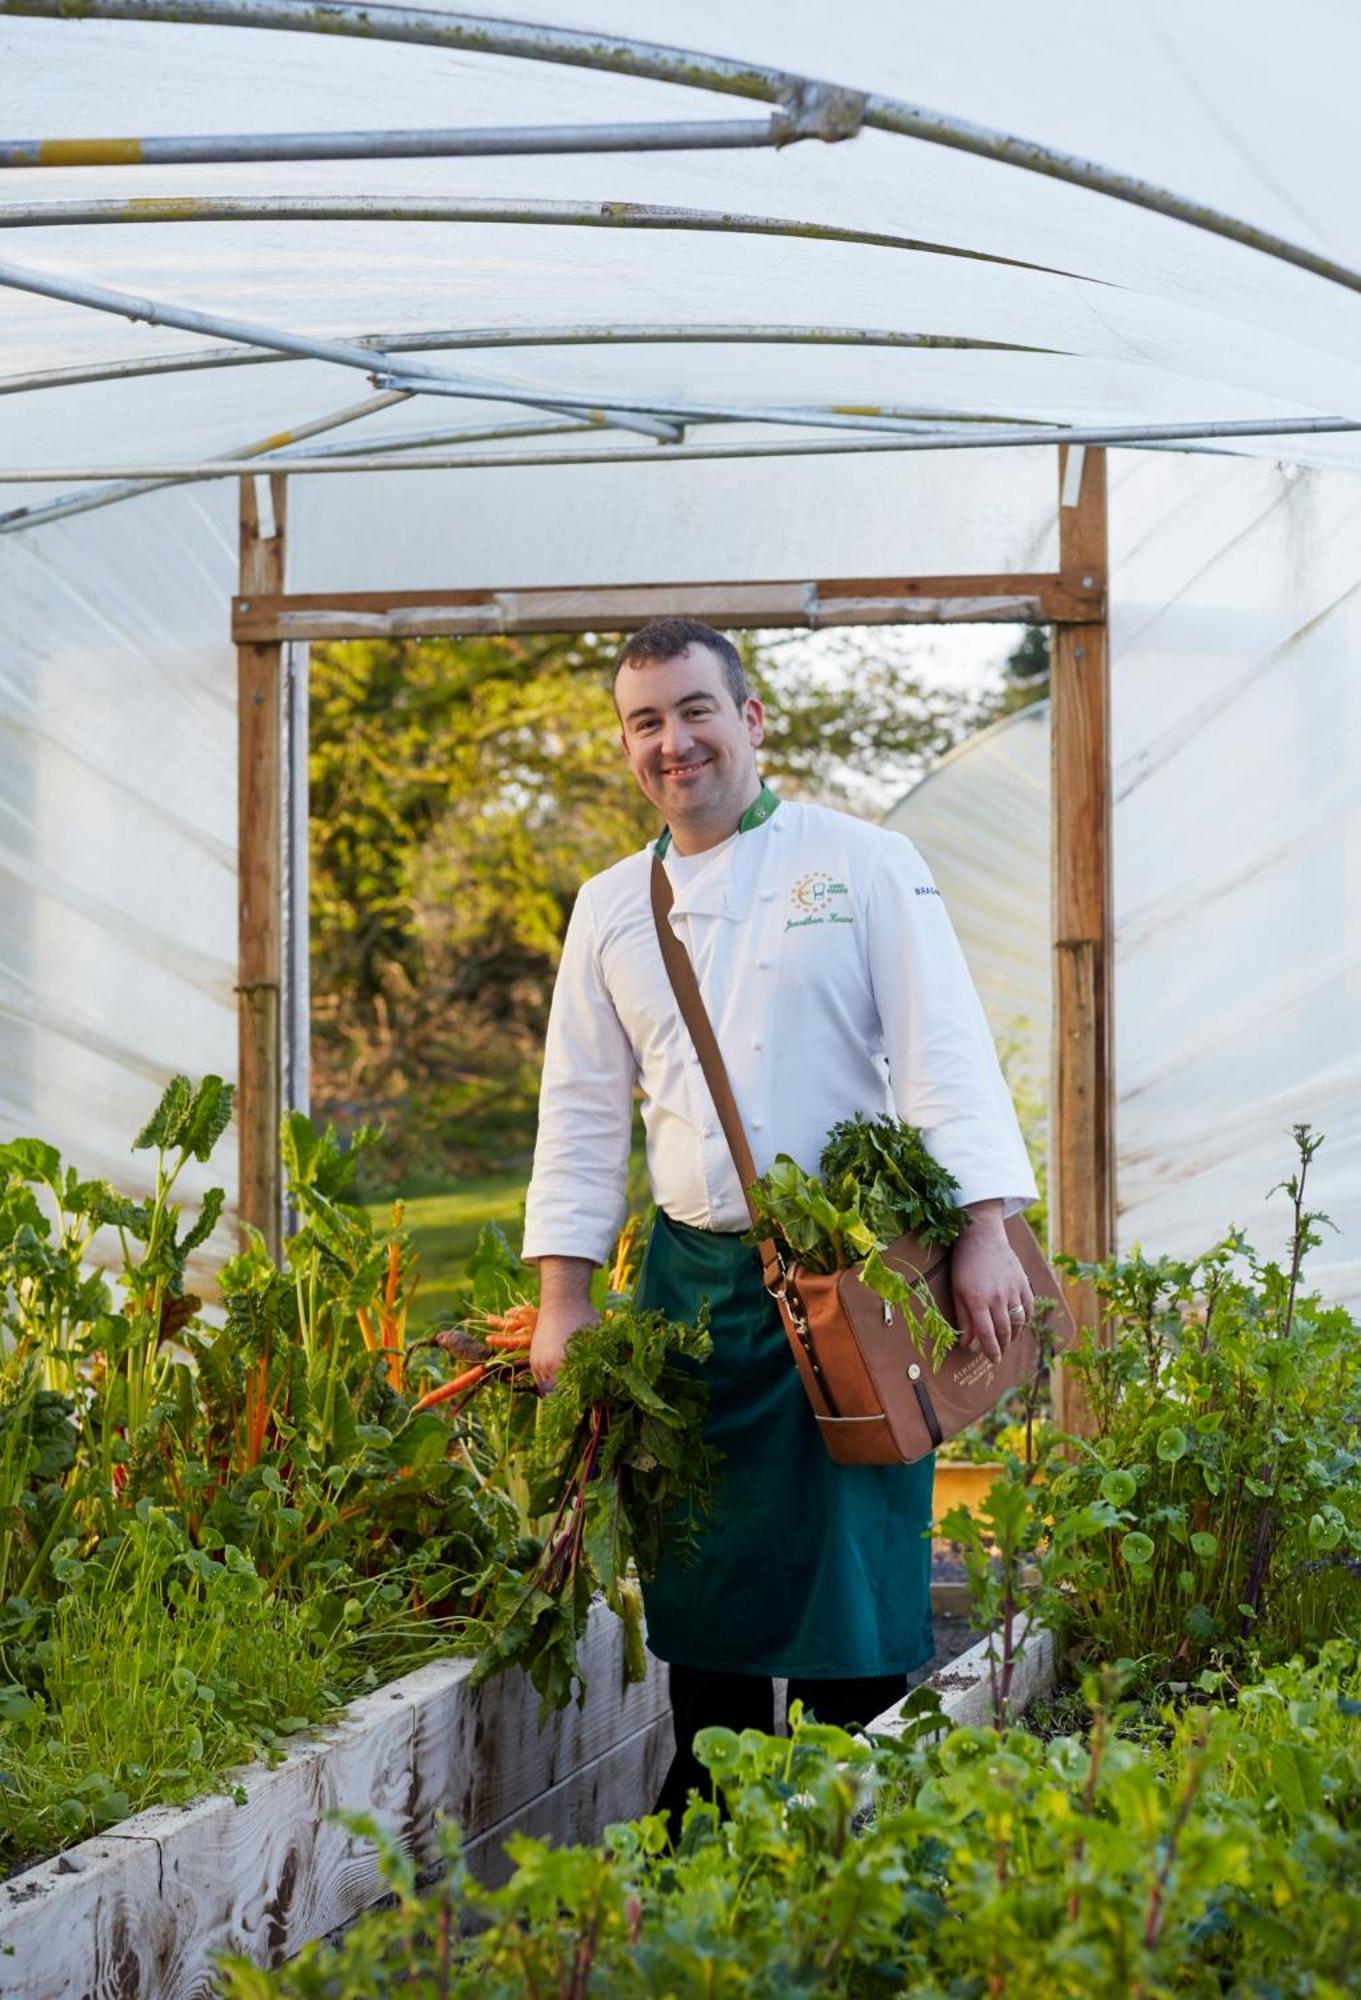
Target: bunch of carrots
502 1350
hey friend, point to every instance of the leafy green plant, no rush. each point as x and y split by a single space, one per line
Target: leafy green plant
161 1667
998 1545
1198 1851
210 1532
1217 1511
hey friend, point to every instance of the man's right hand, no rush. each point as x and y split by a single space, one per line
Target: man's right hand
551 1336
564 1307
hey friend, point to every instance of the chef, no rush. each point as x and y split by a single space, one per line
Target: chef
835 985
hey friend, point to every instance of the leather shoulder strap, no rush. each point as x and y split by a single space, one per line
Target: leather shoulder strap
695 1015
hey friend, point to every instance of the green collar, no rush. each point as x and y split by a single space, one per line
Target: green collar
756 814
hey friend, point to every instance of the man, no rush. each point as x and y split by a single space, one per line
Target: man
835 985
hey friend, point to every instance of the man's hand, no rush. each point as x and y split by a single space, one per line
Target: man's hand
992 1296
564 1306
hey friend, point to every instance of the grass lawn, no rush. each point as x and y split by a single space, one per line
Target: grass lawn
445 1223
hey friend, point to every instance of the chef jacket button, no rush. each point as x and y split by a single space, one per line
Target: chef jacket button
758 1043
756 1124
763 965
767 895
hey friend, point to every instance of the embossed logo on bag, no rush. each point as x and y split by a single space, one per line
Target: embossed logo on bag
818 898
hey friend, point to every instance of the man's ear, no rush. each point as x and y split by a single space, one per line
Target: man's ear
755 717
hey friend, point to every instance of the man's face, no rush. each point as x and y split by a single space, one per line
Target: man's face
691 750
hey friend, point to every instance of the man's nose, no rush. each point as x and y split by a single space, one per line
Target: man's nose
676 738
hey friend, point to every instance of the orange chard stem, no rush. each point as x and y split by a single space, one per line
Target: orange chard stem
366 1328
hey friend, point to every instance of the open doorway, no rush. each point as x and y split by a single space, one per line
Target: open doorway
460 791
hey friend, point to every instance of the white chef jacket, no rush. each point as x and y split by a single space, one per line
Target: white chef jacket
835 985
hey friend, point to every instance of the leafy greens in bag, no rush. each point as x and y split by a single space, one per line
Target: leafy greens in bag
877 1182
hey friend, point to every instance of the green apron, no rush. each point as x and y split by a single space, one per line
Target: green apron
807 1568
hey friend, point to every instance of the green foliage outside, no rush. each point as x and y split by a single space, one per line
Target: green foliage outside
1183 1820
214 1535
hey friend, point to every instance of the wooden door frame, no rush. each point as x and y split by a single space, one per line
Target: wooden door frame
1072 599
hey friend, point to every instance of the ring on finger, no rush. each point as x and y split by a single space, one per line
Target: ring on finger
1017 1315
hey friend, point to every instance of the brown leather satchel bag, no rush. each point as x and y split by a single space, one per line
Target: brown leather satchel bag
877 1396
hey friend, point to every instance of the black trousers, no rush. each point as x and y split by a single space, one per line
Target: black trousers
702 1700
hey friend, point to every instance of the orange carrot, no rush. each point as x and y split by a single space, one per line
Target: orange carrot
446 1390
510 1342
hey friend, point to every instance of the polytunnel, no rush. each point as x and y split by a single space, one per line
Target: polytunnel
834 316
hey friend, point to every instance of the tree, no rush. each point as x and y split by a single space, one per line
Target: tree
1026 671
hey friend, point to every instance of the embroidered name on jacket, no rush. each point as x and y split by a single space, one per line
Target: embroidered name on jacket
817 898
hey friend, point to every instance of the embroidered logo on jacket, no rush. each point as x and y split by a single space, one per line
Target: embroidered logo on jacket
818 899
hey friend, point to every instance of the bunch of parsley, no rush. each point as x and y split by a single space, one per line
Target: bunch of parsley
877 1181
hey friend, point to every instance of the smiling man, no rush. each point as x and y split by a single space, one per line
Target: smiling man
835 985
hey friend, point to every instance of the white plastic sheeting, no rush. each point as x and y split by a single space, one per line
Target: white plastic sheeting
1233 587
117 825
1235 635
981 820
694 523
1148 319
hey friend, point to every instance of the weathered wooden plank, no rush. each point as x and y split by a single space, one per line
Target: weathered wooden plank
94 1894
830 612
148 1907
622 1783
965 1685
266 617
1082 1192
482 1757
259 877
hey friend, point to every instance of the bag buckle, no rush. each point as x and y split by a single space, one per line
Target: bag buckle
786 1296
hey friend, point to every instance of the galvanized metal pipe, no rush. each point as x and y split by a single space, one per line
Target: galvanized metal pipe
87 499
124 305
650 416
1157 436
445 208
624 55
859 417
493 141
489 337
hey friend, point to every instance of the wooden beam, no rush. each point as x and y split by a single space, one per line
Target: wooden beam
1082 1194
260 873
263 616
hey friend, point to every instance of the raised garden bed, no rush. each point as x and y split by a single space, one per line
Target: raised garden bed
144 1909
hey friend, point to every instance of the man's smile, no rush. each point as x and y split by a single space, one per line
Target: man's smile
684 770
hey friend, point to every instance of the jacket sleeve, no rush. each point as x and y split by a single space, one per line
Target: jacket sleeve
577 1192
943 1065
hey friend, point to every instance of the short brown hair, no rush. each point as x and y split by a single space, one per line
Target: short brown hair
668 638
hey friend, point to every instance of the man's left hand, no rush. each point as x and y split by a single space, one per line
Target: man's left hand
992 1297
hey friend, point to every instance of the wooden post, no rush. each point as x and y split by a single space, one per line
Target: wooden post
260 873
1081 1195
